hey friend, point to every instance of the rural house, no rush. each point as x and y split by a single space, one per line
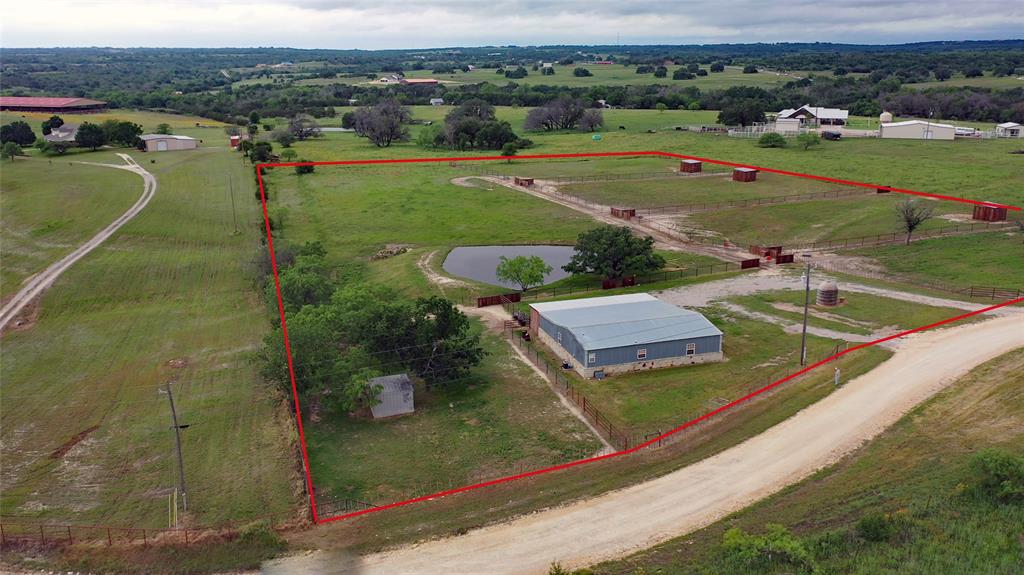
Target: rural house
167 142
1009 130
815 116
63 134
614 334
917 130
437 101
394 396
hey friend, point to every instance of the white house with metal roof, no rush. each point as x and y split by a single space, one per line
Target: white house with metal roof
614 334
815 115
1009 130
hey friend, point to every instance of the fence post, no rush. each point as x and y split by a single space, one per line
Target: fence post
69 534
110 541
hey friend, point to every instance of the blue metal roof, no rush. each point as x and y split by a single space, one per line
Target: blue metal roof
619 321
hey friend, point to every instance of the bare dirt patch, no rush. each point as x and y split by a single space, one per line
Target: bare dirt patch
78 437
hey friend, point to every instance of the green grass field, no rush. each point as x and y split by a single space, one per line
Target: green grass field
614 75
917 471
990 259
48 208
169 298
506 421
716 186
806 222
861 313
986 81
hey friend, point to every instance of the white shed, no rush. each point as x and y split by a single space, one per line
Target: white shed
394 396
1009 130
917 130
168 142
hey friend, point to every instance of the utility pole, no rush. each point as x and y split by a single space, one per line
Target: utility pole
177 439
807 303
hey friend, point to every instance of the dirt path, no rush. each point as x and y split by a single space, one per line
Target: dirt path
665 237
440 280
40 282
637 517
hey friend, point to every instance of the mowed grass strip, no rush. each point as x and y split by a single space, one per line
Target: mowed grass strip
169 298
48 208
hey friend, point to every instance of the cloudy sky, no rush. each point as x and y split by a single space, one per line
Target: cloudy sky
372 24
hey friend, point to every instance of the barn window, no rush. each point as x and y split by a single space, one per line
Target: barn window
641 353
592 358
691 348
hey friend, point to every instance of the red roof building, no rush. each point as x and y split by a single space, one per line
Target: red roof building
418 81
50 105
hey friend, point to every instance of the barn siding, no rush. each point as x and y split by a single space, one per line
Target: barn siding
659 350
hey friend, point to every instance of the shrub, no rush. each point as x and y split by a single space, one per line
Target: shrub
582 72
750 69
877 527
772 140
305 168
261 534
999 474
808 139
776 548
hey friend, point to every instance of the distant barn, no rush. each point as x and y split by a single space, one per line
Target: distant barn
167 142
395 396
51 105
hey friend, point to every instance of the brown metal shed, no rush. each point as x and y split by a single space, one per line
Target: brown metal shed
691 166
525 182
989 212
624 213
744 174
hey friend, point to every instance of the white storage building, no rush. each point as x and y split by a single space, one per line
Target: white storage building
917 130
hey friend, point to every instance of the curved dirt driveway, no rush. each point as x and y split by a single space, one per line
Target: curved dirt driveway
40 282
637 517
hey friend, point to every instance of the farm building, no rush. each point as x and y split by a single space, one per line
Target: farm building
615 334
167 142
63 134
815 116
989 212
690 166
1009 130
787 126
744 174
917 130
418 81
394 396
51 105
437 101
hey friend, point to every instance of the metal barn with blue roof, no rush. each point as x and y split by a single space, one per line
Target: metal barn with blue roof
615 334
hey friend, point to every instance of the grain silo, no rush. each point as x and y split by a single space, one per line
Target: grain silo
828 294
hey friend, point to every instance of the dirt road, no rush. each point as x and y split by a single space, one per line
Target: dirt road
40 282
624 521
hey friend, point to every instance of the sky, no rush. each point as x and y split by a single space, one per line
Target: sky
382 24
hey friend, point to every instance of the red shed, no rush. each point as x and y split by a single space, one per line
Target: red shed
990 212
690 166
744 174
624 213
525 182
235 141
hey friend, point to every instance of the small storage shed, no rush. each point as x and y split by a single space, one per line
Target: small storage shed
395 396
168 142
917 130
744 174
1009 130
624 213
691 166
989 212
828 294
524 182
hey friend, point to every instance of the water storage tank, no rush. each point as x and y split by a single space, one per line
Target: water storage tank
828 293
885 117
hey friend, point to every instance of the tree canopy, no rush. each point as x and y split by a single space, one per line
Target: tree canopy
524 271
18 132
613 252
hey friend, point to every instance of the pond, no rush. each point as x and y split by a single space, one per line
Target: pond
479 262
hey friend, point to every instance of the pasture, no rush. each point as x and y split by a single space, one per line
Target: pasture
170 298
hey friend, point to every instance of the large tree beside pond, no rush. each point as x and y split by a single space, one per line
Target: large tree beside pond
613 252
524 271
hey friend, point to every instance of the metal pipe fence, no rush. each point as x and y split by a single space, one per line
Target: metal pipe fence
897 237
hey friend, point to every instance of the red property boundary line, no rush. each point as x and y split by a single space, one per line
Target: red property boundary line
710 414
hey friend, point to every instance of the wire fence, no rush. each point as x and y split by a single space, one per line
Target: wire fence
41 533
973 292
693 207
901 237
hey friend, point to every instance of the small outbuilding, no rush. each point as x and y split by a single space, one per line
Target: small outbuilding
989 212
437 101
167 142
1009 130
807 115
615 334
63 134
691 166
744 174
917 130
394 396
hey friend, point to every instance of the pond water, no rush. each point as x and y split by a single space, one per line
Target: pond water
479 262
